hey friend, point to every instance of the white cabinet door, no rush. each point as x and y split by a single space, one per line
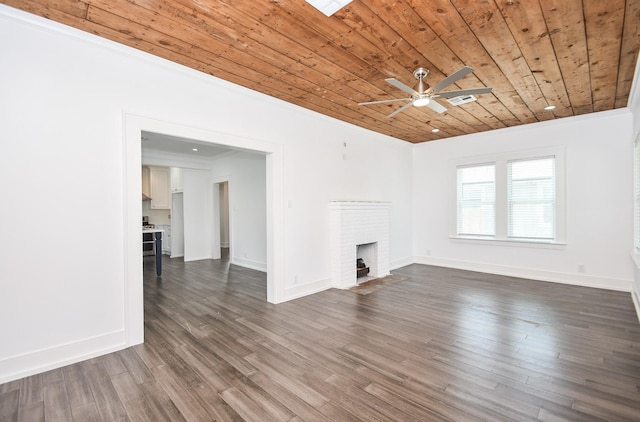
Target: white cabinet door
160 185
176 179
166 239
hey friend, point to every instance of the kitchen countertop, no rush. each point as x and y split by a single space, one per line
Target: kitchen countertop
152 230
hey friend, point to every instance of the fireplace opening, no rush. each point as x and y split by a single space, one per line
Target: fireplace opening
361 268
366 262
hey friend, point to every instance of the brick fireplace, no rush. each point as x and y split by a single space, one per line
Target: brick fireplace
358 226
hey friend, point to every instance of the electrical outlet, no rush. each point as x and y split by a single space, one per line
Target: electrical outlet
580 268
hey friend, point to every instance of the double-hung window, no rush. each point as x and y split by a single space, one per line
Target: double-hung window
476 200
511 197
531 199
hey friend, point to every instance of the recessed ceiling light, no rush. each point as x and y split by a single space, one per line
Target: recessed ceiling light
550 107
435 130
194 149
328 7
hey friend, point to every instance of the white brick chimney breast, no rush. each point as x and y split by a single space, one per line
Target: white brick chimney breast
354 223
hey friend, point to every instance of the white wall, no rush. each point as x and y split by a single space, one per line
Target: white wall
361 171
224 214
246 174
65 95
598 208
197 211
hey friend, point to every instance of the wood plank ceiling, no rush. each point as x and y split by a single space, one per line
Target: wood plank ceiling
578 55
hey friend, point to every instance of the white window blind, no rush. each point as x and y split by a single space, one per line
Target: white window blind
476 200
531 198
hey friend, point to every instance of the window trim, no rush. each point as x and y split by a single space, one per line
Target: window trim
501 211
636 195
458 186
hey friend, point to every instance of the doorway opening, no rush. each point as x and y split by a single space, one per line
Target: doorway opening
134 126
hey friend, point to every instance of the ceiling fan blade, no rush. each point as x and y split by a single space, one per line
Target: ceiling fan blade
385 101
403 108
400 85
460 92
436 106
450 79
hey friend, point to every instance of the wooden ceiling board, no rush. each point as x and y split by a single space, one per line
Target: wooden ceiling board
441 61
628 53
528 27
578 55
486 22
565 20
448 23
604 24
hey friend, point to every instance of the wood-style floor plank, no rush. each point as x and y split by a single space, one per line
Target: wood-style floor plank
441 345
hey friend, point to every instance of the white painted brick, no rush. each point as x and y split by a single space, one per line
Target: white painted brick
352 224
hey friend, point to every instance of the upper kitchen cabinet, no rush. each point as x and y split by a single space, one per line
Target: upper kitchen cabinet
160 181
176 179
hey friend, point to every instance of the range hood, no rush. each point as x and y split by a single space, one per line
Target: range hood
146 184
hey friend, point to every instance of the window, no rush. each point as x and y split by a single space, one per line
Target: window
476 200
531 198
515 196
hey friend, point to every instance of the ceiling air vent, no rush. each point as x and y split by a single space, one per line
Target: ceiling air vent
463 99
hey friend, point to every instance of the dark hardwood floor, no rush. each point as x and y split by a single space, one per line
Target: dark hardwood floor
441 345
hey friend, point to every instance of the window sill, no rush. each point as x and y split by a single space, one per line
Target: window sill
508 242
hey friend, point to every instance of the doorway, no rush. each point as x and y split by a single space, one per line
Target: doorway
134 125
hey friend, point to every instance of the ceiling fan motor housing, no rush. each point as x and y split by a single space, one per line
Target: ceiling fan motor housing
421 73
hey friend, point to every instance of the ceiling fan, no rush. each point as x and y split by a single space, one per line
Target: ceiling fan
424 95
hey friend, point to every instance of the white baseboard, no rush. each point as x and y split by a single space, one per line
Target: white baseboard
298 291
20 366
530 273
197 258
399 263
248 263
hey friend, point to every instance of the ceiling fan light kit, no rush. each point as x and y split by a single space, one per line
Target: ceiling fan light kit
421 101
425 95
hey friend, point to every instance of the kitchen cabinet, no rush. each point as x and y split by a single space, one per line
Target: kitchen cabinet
176 179
166 239
160 181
